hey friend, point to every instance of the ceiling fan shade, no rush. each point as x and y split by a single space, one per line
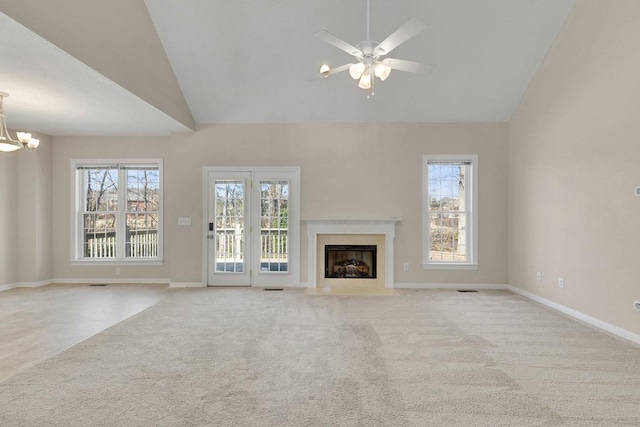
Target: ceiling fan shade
382 70
356 70
365 80
324 70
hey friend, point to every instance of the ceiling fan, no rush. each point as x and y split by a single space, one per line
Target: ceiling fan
369 54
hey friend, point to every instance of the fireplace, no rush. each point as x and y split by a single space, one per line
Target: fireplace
324 232
350 261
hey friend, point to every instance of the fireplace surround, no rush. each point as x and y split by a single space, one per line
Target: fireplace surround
379 232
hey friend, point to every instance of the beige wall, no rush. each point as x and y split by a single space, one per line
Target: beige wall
9 268
571 212
574 161
34 213
67 148
135 58
348 170
25 207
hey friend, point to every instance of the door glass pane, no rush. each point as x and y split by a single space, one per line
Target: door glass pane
230 220
274 226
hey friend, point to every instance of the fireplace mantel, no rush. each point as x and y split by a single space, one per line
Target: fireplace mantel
374 226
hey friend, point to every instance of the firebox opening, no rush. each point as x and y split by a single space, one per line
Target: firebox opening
350 261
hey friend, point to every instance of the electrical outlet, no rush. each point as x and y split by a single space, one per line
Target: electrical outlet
405 266
539 277
561 282
117 271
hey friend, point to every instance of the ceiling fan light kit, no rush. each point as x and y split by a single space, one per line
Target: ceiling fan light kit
7 144
369 54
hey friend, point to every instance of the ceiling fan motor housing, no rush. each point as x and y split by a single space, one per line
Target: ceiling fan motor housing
368 48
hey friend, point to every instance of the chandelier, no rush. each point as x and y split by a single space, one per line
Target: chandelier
24 138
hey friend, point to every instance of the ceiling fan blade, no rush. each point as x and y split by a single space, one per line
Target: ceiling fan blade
402 65
340 44
336 70
399 36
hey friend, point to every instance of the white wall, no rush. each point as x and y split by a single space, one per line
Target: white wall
348 170
574 161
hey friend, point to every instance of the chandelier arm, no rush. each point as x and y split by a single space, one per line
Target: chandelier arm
8 144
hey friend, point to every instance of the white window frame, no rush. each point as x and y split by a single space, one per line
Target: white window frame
472 212
77 199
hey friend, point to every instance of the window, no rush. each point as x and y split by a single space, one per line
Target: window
118 211
449 211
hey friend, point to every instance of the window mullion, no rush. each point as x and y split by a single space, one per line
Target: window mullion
468 213
81 190
121 213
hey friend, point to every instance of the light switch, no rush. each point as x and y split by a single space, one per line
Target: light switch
184 221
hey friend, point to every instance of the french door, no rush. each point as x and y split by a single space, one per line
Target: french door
252 226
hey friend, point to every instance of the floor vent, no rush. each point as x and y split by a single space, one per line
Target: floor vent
467 290
97 284
273 289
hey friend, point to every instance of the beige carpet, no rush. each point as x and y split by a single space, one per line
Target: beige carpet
351 290
245 357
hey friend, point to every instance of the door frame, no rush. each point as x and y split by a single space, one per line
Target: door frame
294 217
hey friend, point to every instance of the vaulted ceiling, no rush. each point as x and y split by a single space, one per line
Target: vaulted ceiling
151 67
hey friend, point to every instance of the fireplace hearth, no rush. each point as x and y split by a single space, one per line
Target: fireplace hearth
350 261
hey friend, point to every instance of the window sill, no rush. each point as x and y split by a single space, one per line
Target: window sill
449 266
93 262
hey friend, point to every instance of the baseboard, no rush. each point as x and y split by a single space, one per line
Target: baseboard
202 285
187 285
25 285
7 287
304 285
607 327
113 280
486 286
